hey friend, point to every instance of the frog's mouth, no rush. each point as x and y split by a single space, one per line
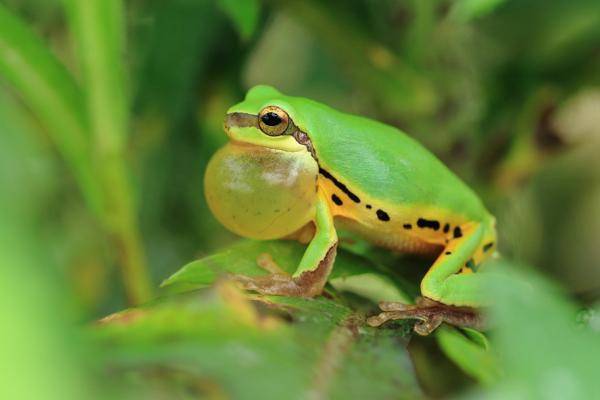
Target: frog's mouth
243 128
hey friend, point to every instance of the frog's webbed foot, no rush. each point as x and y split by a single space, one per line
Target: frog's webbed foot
429 313
279 282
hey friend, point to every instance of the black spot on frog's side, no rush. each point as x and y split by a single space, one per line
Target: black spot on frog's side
488 246
407 226
369 206
340 185
446 228
425 223
382 215
471 265
336 200
448 253
457 232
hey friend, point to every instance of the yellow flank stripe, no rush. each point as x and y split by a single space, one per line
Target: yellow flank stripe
373 213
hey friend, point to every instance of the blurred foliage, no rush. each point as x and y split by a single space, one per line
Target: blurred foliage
110 110
545 352
221 341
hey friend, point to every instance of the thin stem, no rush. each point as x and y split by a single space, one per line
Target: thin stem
99 35
52 94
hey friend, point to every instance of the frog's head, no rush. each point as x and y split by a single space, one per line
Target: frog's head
262 184
266 118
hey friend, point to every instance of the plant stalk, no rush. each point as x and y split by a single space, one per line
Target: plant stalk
98 30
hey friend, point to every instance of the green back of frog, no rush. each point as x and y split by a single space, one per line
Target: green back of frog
371 157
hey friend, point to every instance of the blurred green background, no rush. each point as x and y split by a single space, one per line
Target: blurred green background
110 110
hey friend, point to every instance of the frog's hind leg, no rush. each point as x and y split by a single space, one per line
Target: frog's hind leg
452 279
450 286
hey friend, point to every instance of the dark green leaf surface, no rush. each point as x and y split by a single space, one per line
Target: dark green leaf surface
470 352
283 347
543 351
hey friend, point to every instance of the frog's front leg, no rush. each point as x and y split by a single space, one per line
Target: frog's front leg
451 288
315 266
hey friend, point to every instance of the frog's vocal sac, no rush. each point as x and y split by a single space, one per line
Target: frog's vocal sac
296 168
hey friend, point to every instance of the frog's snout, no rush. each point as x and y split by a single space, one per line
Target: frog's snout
239 120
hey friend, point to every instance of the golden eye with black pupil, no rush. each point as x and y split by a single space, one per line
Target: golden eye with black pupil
273 121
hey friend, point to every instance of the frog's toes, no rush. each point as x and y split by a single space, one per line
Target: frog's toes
394 306
428 325
266 262
421 302
429 315
382 318
275 284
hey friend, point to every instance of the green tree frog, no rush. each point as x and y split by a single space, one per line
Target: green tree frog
295 168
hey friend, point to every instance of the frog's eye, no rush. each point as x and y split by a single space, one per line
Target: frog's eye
273 121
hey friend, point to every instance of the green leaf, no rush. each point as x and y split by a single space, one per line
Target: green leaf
543 351
375 369
255 346
98 33
239 258
470 352
282 346
51 93
351 272
244 14
477 337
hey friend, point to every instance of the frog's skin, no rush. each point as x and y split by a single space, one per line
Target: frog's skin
315 168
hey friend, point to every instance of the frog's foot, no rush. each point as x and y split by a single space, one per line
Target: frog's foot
279 282
276 284
266 262
429 313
